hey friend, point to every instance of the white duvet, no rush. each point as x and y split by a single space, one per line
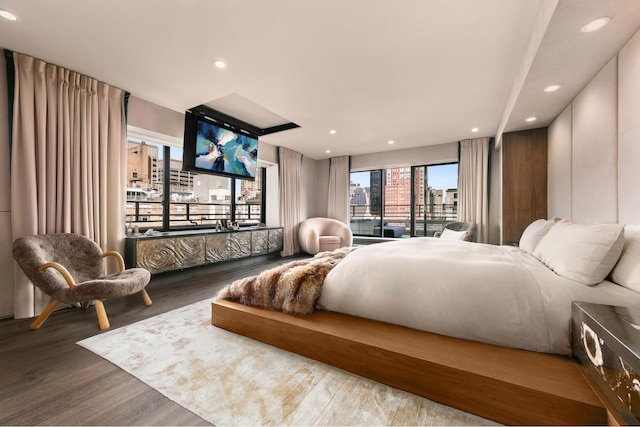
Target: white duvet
495 294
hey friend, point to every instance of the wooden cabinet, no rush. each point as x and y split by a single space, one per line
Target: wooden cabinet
178 250
524 181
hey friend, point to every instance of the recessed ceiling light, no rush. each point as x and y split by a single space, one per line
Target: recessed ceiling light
8 15
219 63
391 142
475 130
332 131
552 88
328 151
530 119
596 24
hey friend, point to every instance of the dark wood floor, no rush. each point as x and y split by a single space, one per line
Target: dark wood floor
47 379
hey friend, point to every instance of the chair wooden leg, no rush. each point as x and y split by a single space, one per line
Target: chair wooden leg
103 320
44 315
146 298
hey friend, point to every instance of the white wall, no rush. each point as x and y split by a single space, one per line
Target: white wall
316 188
559 166
431 154
268 152
310 188
594 149
629 132
273 197
145 115
6 259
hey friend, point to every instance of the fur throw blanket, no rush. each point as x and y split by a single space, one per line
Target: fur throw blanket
292 288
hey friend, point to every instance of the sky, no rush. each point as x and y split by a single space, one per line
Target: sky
441 177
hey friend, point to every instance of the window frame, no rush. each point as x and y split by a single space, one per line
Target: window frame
412 219
165 144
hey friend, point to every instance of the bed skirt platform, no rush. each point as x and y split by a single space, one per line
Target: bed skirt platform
506 385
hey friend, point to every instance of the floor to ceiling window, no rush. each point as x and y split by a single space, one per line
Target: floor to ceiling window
435 198
194 200
403 202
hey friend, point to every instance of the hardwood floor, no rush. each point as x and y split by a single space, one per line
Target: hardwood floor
47 379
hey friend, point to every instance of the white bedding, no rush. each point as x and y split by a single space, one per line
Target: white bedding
496 294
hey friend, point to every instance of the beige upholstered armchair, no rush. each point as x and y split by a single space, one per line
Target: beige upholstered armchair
459 227
70 269
323 234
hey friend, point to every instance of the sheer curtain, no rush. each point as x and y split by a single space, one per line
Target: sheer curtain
338 203
473 200
68 161
290 198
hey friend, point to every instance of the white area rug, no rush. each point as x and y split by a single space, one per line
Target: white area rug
228 379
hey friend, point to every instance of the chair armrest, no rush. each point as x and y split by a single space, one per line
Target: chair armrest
308 238
346 237
62 270
117 256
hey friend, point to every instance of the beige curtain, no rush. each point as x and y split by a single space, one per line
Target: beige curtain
68 162
338 203
473 200
290 198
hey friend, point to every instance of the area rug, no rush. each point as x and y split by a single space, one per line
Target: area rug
228 379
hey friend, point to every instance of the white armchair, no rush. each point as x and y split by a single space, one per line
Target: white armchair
469 228
323 234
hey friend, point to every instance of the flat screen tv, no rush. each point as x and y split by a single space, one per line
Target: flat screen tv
212 147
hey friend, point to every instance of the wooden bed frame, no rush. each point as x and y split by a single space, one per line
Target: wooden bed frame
506 385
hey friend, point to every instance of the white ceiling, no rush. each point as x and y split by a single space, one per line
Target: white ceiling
418 72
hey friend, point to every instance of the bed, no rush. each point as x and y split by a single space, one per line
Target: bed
489 334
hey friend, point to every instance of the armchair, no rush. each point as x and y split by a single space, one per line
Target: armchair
323 234
469 227
69 268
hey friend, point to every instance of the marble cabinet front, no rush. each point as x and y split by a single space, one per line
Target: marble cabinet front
177 252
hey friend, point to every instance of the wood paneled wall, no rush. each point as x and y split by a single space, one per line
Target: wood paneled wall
524 181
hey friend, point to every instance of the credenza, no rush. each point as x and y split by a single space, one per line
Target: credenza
179 250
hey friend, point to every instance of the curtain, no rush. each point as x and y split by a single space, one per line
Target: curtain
68 162
338 203
290 198
473 200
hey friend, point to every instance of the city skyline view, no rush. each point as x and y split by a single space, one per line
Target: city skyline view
403 201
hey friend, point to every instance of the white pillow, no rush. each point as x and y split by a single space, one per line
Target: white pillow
627 271
581 252
454 235
534 232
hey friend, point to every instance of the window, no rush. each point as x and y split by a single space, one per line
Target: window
403 202
397 202
248 199
436 198
195 200
144 205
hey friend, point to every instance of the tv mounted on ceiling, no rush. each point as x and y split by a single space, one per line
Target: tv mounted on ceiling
214 147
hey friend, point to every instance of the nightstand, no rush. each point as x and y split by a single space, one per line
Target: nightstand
606 341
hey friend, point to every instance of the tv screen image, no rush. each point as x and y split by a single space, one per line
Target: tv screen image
214 149
223 150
